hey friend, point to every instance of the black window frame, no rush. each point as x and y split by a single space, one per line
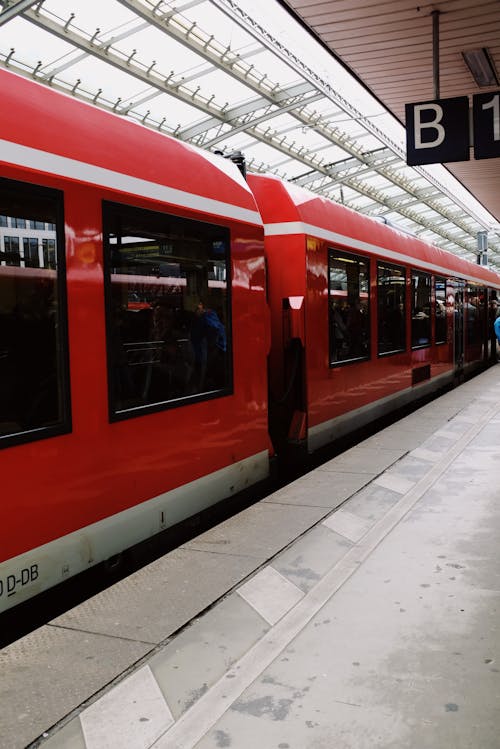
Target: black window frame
115 415
338 253
64 425
394 266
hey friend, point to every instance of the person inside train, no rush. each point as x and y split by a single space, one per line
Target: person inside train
496 328
208 336
340 331
493 314
174 359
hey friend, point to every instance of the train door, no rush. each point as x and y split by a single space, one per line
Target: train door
458 326
287 406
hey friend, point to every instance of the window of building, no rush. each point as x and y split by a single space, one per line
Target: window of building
168 310
34 392
3 221
420 309
18 223
349 319
30 250
49 253
11 254
440 310
391 307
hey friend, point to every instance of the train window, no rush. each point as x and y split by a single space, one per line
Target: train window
391 307
34 400
168 310
420 309
349 320
440 310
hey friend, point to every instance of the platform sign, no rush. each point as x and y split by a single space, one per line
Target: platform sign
486 116
437 131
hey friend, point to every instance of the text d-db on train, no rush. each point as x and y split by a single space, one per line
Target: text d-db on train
167 326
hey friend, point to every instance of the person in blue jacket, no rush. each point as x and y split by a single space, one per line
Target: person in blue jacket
208 336
496 328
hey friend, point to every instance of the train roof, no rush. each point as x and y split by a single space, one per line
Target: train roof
290 209
54 133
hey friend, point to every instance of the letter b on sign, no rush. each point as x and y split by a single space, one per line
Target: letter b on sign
437 131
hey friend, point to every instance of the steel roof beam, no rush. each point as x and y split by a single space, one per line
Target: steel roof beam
166 84
205 46
13 9
295 93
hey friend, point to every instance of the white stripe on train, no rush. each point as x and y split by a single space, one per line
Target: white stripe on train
62 166
38 569
287 228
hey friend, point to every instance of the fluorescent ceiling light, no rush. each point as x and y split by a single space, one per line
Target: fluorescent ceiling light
481 67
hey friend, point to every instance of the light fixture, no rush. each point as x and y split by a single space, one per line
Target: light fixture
481 66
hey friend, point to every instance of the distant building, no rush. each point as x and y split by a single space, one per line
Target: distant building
27 243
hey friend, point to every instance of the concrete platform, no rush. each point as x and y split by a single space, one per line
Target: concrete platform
357 607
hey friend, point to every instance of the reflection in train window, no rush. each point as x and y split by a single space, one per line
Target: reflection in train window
11 252
168 306
440 310
34 400
391 289
475 316
349 319
420 309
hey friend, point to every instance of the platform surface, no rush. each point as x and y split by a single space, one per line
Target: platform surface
357 607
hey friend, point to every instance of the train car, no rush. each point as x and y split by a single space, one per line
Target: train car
365 318
134 334
138 325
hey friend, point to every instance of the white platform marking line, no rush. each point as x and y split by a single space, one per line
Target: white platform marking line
133 714
201 717
270 594
423 454
395 483
348 525
448 433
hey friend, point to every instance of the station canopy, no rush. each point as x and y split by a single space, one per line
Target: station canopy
243 75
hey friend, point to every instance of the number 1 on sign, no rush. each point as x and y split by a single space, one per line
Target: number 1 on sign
494 104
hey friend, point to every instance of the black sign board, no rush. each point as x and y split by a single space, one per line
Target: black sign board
486 116
437 131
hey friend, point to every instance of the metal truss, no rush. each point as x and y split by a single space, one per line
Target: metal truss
13 9
282 116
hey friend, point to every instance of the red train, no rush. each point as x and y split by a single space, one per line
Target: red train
147 290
